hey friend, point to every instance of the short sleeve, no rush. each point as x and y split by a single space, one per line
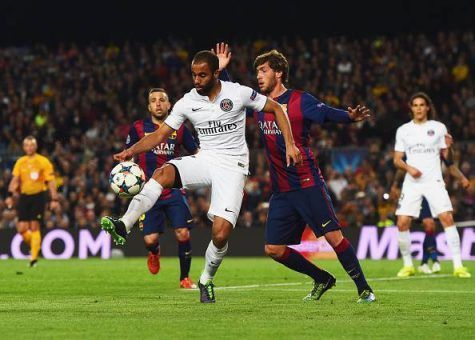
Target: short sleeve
442 143
251 99
177 116
399 145
48 170
16 168
132 137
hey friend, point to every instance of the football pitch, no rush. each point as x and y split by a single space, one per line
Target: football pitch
256 299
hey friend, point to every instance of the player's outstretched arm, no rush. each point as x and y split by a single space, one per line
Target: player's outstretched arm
146 143
400 164
293 154
359 113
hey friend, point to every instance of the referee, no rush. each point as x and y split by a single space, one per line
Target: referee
32 176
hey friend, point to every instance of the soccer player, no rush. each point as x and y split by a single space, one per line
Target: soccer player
300 195
172 203
33 175
216 109
429 245
422 140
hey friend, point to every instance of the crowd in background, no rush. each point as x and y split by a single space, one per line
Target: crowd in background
79 101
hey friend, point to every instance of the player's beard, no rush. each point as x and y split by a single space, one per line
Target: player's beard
206 89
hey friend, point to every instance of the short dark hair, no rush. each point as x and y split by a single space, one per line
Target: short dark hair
277 61
207 57
157 89
432 114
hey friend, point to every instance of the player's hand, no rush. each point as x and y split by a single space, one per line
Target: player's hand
465 183
123 156
449 141
359 113
293 155
223 54
414 172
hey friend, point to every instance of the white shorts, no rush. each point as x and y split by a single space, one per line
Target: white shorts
227 186
411 198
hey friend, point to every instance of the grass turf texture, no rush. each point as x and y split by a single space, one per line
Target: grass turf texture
256 298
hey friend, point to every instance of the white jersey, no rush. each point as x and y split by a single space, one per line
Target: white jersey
422 144
221 123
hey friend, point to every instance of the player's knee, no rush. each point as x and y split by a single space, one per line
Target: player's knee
403 223
150 240
274 251
334 238
182 234
165 175
446 219
429 225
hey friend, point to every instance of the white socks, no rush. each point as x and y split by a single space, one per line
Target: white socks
214 257
404 242
141 203
453 241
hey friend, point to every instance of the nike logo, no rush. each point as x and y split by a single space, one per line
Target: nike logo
326 223
196 109
189 221
226 209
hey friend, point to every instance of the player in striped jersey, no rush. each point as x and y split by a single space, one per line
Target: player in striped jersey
172 203
300 196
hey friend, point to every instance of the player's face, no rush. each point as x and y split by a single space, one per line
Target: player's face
419 109
266 78
159 105
203 78
30 146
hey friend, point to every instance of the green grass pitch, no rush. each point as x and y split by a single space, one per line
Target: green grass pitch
256 299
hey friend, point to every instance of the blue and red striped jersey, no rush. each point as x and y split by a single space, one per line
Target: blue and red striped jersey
162 153
302 109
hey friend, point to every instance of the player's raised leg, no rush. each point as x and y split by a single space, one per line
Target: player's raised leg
163 177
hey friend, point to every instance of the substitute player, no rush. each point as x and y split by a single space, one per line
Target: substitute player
216 109
421 141
172 203
33 175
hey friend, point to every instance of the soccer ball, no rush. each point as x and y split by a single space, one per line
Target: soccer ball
127 179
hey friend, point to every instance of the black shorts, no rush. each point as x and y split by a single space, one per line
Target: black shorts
31 207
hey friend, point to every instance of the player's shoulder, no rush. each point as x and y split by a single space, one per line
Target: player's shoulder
437 124
21 159
406 126
42 158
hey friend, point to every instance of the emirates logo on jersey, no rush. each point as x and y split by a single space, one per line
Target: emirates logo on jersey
226 105
430 132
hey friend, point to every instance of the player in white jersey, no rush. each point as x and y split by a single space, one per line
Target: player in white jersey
216 109
421 141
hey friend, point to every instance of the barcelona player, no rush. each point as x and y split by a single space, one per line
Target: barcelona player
172 203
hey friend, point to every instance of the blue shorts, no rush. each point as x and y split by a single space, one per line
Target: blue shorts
290 212
175 209
425 210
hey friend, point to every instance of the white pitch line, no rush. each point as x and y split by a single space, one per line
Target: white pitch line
392 278
398 291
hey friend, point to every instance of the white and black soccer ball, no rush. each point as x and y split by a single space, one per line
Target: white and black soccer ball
127 179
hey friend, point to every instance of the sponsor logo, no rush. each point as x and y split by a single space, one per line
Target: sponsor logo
226 105
326 223
269 127
430 132
196 109
164 149
241 164
226 209
216 127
